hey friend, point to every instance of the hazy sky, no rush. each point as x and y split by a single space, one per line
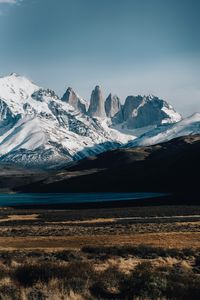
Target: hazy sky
126 46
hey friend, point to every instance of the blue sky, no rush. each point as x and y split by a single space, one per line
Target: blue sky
126 46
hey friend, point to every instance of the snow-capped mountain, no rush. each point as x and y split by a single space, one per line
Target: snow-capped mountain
160 134
39 129
143 111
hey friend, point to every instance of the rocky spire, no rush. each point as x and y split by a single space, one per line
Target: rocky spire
113 108
96 108
74 100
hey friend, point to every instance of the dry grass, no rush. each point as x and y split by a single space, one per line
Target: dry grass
36 237
168 240
90 221
188 223
81 275
20 218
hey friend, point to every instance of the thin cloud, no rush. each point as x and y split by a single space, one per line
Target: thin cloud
5 4
8 1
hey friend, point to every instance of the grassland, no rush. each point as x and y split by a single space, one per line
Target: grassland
109 253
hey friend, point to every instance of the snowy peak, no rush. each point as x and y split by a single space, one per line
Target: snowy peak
142 111
74 100
16 87
166 132
37 129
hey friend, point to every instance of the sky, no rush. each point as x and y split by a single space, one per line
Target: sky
128 47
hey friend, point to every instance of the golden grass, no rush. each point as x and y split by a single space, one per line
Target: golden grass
90 221
20 218
188 223
112 220
165 239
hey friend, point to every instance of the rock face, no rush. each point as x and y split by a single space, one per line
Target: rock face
148 110
130 106
113 109
96 108
73 99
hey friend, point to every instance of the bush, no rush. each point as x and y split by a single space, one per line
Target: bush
36 294
28 275
141 251
197 262
67 255
3 272
80 277
145 282
108 284
74 276
182 284
9 293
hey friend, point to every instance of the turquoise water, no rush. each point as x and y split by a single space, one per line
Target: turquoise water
70 198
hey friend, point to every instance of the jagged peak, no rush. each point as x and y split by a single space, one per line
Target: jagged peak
69 92
70 89
113 96
72 98
14 74
15 77
97 88
150 96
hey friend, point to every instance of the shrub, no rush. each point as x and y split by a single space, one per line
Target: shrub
3 271
145 282
108 284
182 284
80 277
67 255
36 294
197 262
141 251
28 275
9 293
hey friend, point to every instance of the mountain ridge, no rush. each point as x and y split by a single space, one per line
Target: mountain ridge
39 128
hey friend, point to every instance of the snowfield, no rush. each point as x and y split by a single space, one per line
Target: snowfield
187 126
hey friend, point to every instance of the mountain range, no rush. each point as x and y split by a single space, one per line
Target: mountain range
39 129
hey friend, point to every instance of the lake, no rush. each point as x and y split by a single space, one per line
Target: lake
70 198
